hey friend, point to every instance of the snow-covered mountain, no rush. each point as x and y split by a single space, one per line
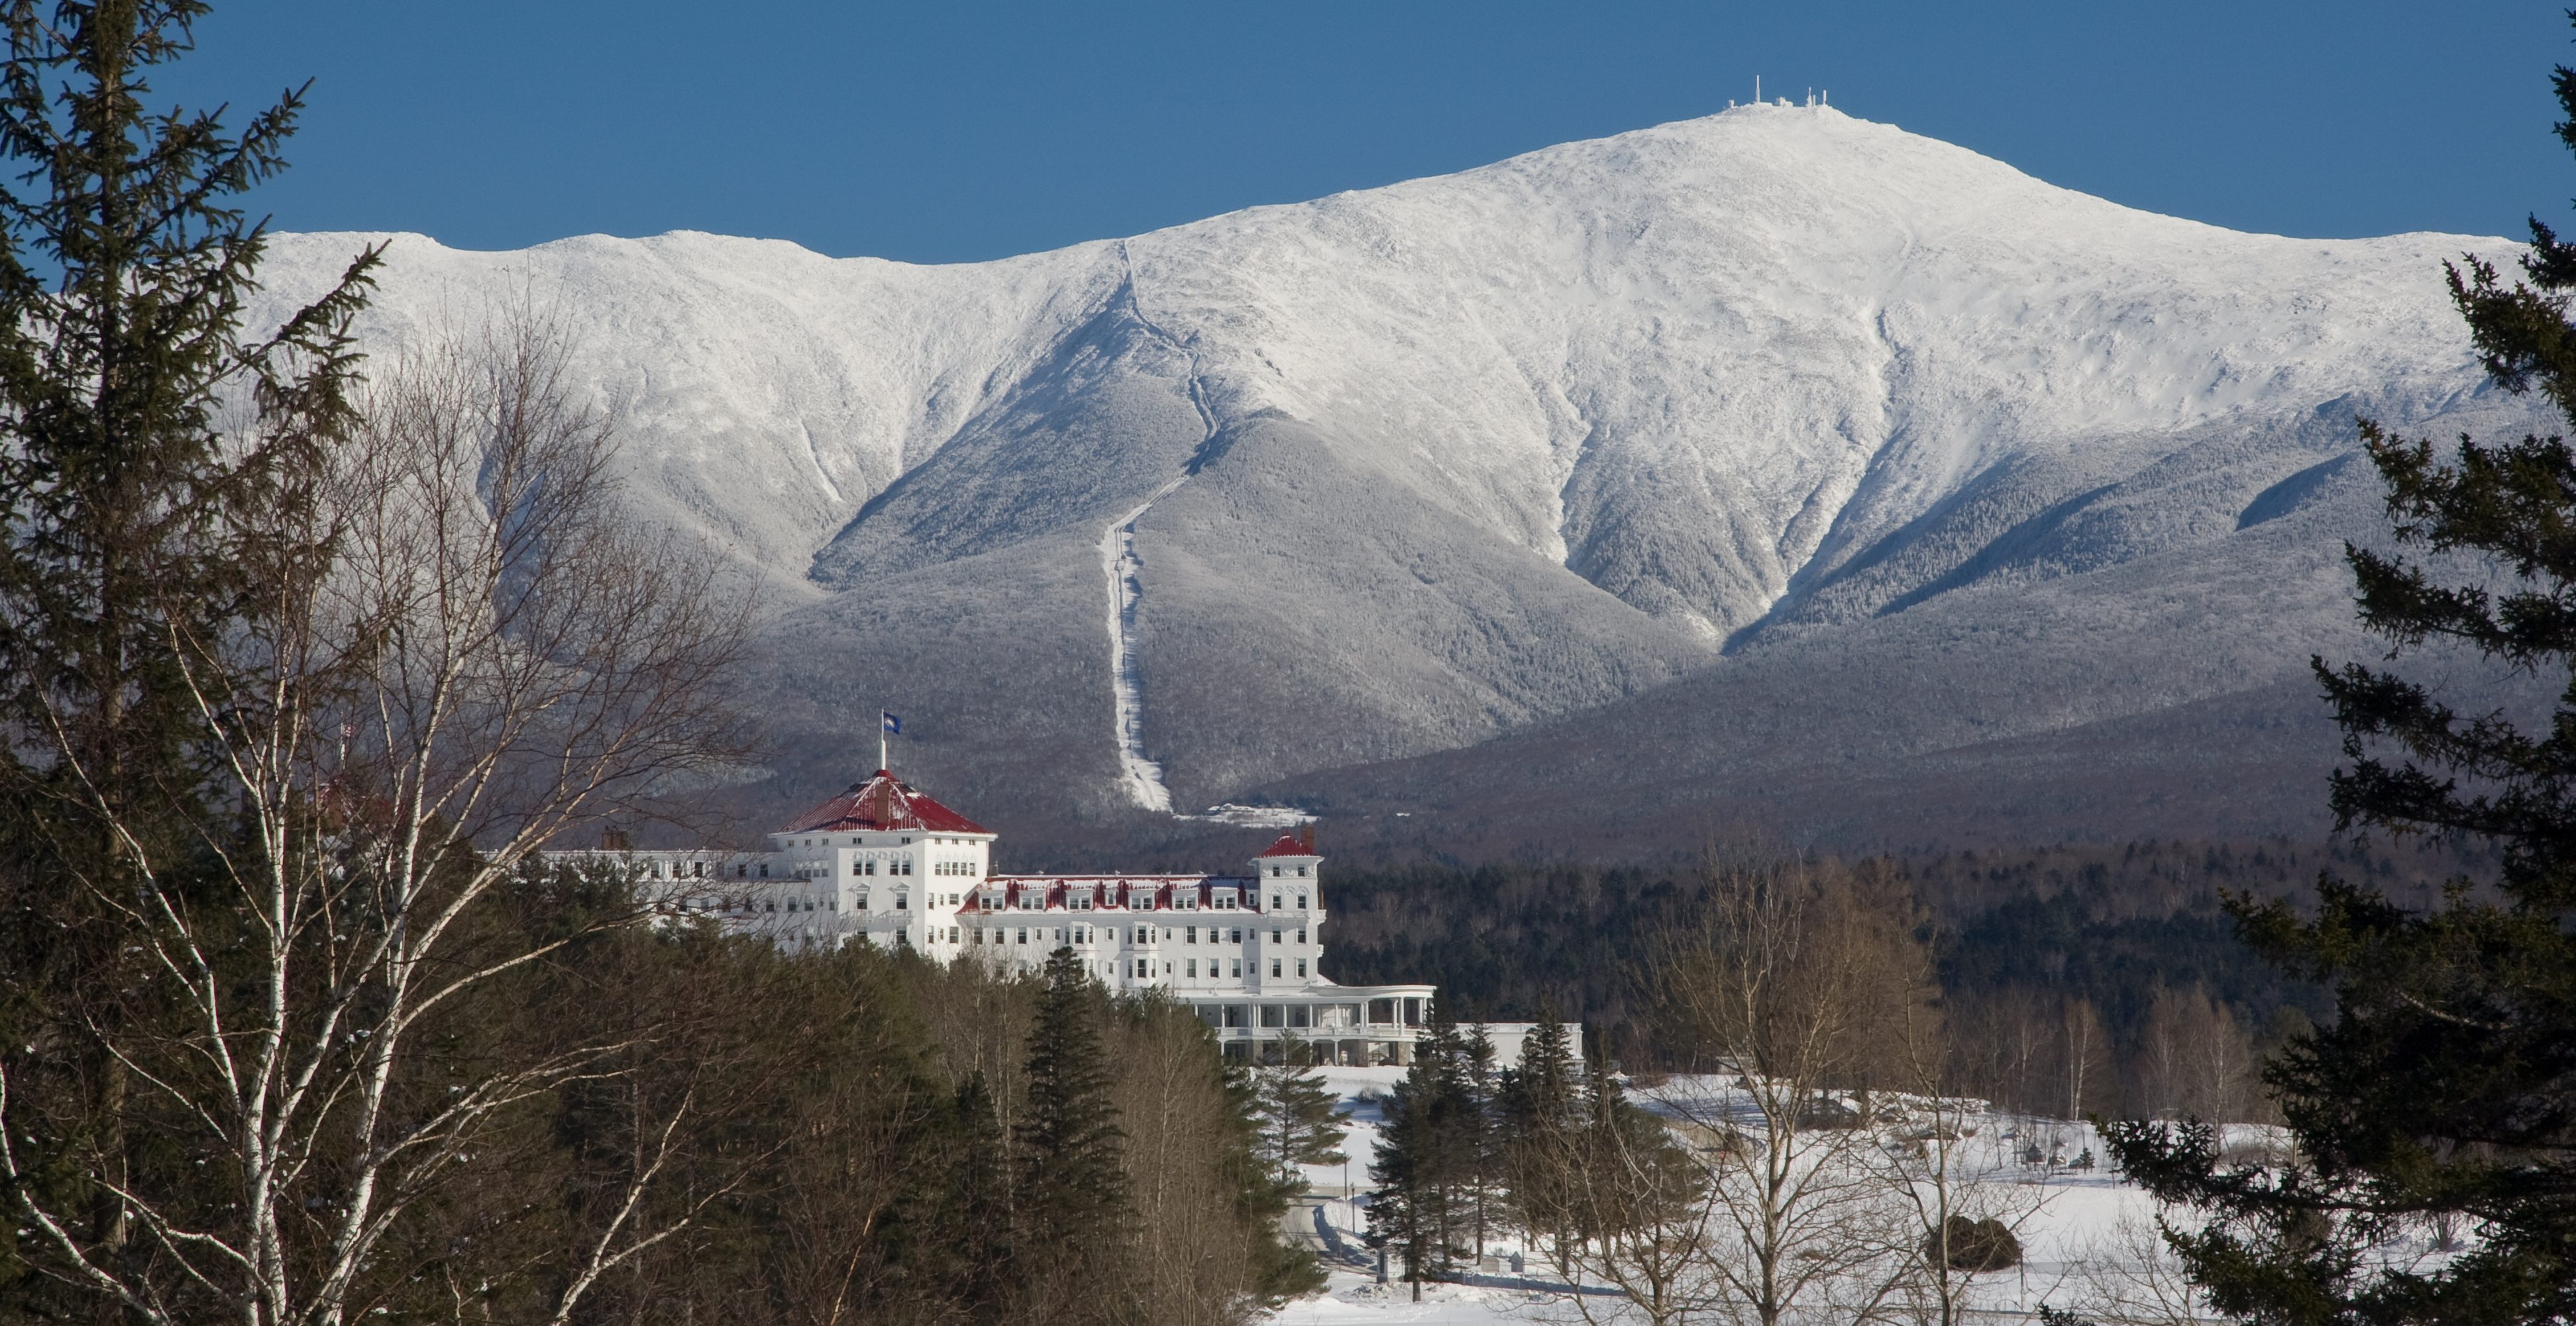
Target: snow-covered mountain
1748 425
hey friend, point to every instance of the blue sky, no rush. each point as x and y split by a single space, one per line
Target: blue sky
964 130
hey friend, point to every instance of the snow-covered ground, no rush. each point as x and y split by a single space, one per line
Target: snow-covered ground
2083 1232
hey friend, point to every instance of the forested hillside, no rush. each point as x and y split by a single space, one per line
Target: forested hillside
2130 937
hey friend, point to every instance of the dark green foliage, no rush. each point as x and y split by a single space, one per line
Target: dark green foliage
136 536
1433 1155
1069 1182
977 1227
1300 1124
2445 1084
1069 1191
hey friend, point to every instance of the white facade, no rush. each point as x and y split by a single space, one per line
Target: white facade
883 864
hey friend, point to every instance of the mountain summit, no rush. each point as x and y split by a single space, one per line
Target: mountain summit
1779 441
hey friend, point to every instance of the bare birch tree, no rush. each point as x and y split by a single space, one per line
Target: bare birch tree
1964 1208
461 652
1793 977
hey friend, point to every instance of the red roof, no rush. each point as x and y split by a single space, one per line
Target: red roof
879 805
1288 845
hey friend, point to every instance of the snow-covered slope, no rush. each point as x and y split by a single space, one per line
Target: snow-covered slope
1397 471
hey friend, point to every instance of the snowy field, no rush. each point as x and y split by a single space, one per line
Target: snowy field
2084 1234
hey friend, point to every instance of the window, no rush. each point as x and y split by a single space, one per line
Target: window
1301 934
1299 1015
1024 936
1144 934
1301 902
1140 967
1301 874
1234 936
1381 1011
1270 1016
862 903
1413 1012
952 934
1193 935
903 902
1238 966
1301 966
1274 938
1274 902
764 870
1274 966
697 870
1190 968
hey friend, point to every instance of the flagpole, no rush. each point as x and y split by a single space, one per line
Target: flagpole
881 739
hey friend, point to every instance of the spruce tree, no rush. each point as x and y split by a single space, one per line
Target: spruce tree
976 1219
1403 1211
136 531
1480 1135
2445 1086
1299 1124
1070 1200
1540 1106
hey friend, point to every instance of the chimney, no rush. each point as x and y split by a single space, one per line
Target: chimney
613 839
1306 837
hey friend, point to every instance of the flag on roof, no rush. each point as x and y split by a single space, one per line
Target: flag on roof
892 723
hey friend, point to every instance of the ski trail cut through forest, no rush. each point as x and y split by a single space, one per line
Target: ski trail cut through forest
1142 776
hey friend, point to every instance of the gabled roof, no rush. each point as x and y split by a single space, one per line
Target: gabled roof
880 805
1288 846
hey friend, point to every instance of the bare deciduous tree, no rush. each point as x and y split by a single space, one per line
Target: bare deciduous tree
1794 980
462 653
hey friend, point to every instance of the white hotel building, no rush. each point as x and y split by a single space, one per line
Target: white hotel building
884 864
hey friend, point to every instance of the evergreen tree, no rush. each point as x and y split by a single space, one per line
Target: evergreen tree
1430 1154
2445 1086
978 1213
135 531
1480 1134
1069 1193
1403 1211
1298 1122
1539 1104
